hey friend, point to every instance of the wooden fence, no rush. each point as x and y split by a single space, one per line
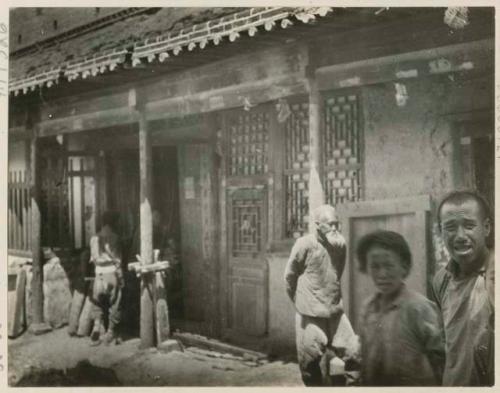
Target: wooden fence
19 213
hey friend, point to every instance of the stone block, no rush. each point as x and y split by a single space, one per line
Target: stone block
39 328
56 293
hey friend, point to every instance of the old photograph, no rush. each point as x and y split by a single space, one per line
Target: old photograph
251 196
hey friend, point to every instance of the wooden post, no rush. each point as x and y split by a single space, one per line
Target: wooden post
316 192
147 299
36 233
37 325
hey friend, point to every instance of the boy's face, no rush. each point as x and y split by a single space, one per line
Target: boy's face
464 231
386 269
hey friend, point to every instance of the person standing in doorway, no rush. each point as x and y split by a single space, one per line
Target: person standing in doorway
312 279
105 254
461 289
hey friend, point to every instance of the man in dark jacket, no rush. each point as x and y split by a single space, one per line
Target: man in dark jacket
312 279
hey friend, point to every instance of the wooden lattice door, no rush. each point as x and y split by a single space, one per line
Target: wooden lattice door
247 265
247 135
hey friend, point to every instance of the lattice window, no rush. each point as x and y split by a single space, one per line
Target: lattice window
246 227
341 149
297 169
82 198
248 144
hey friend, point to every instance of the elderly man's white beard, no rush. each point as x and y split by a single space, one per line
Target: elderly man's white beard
335 238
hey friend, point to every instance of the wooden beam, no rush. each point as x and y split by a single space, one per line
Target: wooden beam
183 105
402 205
88 121
147 328
468 57
257 92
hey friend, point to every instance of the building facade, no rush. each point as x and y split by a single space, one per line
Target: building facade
234 124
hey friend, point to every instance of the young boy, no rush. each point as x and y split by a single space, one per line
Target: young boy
401 337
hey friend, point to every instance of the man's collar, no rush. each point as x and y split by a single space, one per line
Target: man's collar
395 302
320 238
453 267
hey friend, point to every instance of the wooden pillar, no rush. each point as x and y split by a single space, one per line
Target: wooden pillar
316 192
36 233
147 331
209 166
38 325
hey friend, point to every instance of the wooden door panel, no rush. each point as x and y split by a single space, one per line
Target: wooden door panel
248 310
406 216
247 269
255 272
362 285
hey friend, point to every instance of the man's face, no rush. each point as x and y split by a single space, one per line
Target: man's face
327 225
386 269
328 222
464 231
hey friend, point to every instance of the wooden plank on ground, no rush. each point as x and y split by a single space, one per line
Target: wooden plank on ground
161 309
78 300
85 321
193 340
76 308
17 310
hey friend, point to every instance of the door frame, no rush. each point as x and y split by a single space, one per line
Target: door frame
250 183
226 181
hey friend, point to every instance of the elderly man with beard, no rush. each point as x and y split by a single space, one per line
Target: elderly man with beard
462 290
312 279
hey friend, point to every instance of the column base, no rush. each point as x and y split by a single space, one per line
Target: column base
170 345
39 328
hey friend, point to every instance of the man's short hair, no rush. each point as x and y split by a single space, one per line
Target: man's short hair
386 239
458 197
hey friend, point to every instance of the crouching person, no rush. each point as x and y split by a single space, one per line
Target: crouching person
401 335
105 253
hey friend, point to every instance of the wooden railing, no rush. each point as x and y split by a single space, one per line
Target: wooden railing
19 213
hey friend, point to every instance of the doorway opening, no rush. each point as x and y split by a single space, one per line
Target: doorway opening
123 196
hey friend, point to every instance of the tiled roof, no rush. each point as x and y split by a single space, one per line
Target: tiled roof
146 37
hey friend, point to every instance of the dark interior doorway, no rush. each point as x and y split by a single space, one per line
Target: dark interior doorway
123 190
484 167
478 161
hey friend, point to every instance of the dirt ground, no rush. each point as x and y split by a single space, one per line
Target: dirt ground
55 359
